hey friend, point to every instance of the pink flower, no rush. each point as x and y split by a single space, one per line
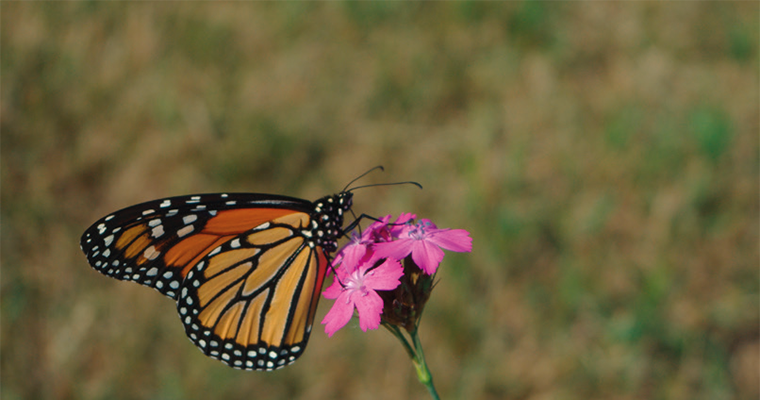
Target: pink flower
400 225
361 248
424 242
370 262
353 253
356 289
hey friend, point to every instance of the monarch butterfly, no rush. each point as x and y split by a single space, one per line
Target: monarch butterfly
246 269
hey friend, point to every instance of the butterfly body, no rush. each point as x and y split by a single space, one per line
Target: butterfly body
245 269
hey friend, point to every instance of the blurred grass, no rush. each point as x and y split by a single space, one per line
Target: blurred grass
603 155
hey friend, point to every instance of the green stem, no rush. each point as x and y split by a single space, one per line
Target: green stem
400 336
423 373
417 356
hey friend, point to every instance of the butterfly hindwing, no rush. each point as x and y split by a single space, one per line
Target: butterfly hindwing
249 301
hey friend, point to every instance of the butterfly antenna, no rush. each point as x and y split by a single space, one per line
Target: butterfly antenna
380 167
385 184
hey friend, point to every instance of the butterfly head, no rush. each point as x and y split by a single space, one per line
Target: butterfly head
327 219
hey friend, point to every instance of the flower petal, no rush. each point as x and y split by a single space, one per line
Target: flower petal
400 226
370 306
452 239
339 314
333 291
397 249
375 228
352 255
427 256
385 276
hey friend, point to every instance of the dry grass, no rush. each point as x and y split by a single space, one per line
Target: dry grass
604 156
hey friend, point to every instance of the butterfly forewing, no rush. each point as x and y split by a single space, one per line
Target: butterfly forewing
246 269
156 242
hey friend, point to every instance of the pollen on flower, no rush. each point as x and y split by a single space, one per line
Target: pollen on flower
417 232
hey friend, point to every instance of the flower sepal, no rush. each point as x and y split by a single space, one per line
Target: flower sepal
403 305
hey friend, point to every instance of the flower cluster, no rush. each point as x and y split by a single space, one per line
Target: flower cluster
370 277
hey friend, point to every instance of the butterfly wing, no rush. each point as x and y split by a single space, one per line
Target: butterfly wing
243 267
251 301
157 242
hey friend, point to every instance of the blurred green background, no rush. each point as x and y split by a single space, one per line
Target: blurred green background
603 155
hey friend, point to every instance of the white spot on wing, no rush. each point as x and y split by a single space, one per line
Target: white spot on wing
151 253
184 231
158 231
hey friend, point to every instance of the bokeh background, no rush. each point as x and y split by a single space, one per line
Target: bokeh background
603 155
